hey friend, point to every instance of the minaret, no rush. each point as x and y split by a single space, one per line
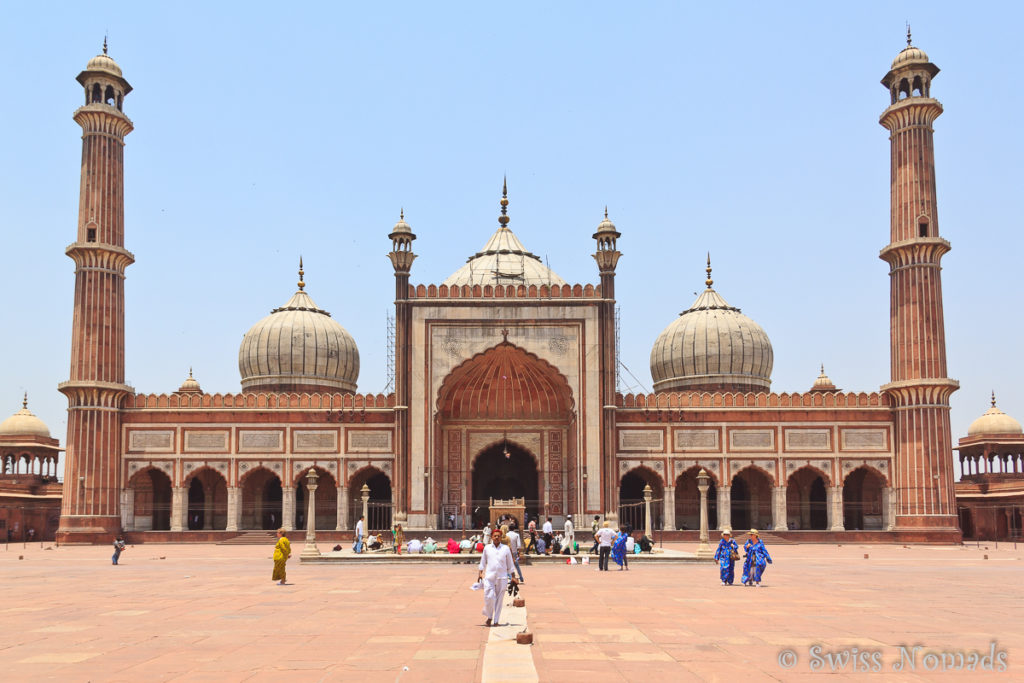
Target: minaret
607 257
919 389
96 390
401 256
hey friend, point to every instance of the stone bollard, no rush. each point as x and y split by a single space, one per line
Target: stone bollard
524 638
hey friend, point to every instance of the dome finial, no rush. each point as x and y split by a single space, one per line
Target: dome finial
993 398
24 401
606 211
104 43
908 34
302 285
190 372
401 214
709 281
823 368
503 218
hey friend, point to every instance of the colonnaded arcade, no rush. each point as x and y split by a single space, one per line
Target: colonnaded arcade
505 386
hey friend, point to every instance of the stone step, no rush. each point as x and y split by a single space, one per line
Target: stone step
252 538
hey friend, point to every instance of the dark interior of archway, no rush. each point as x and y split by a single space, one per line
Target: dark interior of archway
161 500
495 476
744 487
196 504
380 487
271 514
819 498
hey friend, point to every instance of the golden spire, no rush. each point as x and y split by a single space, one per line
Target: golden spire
709 281
606 211
993 398
24 401
190 372
401 214
503 218
823 368
302 285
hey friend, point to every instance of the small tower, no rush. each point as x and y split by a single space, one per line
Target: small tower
96 390
607 257
401 256
919 387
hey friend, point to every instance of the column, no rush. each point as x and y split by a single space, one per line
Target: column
779 509
234 508
669 505
888 518
207 508
342 508
128 509
179 507
836 518
724 507
288 508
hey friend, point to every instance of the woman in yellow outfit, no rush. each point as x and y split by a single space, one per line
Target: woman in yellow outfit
282 551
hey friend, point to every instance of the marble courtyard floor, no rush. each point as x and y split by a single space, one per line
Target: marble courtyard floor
211 613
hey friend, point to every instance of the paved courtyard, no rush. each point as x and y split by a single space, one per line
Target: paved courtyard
211 613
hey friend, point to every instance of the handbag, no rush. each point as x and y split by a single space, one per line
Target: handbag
734 556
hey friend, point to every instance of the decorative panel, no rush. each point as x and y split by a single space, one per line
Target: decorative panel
852 439
808 439
751 439
315 441
260 441
696 440
151 441
206 441
641 440
368 441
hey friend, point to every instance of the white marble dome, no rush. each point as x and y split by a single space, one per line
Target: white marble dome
298 347
24 423
994 422
712 346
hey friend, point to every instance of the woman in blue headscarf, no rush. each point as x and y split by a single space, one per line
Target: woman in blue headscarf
619 550
725 557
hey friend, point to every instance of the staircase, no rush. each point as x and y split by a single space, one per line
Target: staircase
252 538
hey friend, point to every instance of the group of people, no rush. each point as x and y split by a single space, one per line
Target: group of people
755 559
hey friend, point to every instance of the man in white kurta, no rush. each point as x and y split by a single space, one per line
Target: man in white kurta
496 567
570 533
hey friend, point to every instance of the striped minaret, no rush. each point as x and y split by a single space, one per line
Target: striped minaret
920 389
90 510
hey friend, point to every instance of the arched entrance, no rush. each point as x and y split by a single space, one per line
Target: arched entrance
152 499
325 503
261 500
207 500
862 500
379 507
688 501
751 499
806 500
632 510
504 390
504 470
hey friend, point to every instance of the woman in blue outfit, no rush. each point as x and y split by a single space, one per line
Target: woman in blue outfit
757 558
724 555
619 550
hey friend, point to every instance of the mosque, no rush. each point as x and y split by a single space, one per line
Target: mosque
505 388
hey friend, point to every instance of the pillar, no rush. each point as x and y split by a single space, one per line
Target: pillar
310 549
234 508
207 507
779 514
179 508
288 508
724 507
128 509
669 512
888 518
342 507
835 522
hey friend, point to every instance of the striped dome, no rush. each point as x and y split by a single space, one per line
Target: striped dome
298 347
712 346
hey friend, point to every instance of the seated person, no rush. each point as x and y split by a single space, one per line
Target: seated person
465 545
415 546
373 542
429 545
556 545
453 547
646 544
541 546
630 544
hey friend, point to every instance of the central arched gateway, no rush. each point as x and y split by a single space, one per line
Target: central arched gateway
504 429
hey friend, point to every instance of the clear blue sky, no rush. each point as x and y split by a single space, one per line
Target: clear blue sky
263 133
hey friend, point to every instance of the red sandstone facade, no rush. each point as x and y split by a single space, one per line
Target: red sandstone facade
507 387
